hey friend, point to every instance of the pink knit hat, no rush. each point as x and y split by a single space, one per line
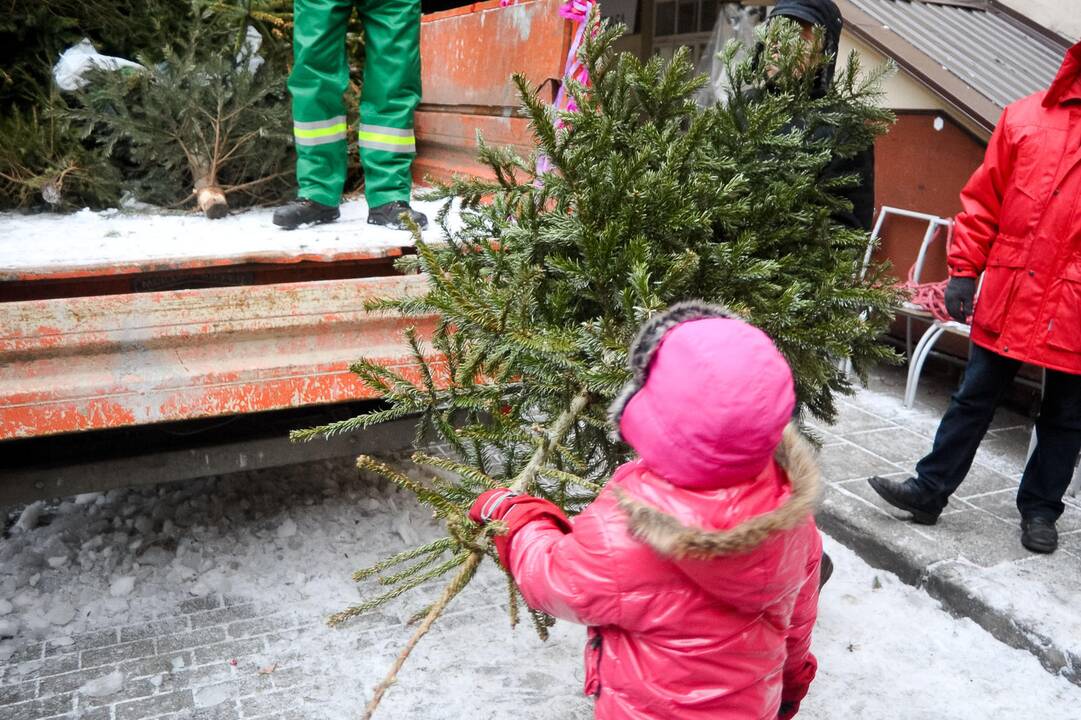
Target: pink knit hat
710 398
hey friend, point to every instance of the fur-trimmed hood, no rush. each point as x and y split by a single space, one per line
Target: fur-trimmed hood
714 536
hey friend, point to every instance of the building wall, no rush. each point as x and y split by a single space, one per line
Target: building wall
921 164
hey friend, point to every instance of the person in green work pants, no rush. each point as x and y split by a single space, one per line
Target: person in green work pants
389 97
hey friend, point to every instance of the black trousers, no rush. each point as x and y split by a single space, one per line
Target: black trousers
1058 435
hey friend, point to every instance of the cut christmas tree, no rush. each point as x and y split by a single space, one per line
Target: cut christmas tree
207 121
647 199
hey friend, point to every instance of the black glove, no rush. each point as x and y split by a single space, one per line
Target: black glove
959 298
788 710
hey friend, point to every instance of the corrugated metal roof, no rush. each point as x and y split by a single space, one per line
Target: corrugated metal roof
990 52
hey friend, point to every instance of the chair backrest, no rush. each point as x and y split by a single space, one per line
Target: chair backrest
934 224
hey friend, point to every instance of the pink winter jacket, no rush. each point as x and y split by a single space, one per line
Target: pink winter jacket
697 566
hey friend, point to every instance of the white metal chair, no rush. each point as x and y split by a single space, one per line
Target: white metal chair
911 311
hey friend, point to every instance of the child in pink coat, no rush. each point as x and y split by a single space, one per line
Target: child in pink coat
697 567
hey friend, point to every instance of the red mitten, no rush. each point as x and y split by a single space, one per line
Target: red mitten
516 511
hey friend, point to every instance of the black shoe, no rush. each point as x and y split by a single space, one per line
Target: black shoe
390 215
1039 535
303 211
825 570
905 496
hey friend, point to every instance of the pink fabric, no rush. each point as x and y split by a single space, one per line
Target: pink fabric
714 406
723 638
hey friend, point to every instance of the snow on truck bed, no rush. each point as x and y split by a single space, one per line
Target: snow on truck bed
116 242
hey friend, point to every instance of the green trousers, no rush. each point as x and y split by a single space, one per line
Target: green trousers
389 97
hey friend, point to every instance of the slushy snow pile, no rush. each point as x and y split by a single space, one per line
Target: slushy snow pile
290 538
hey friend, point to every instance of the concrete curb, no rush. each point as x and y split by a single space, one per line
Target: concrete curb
943 580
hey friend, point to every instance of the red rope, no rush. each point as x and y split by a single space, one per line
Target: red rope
931 296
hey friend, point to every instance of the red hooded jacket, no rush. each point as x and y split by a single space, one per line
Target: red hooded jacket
1021 227
697 566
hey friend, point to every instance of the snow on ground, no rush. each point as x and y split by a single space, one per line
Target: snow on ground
116 239
289 539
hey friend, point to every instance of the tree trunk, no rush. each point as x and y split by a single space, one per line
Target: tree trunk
208 194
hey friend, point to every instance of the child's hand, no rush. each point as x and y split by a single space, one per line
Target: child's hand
491 505
516 511
788 710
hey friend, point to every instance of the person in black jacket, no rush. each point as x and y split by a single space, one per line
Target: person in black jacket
825 14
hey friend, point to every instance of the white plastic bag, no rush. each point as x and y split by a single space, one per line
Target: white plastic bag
250 52
734 22
78 59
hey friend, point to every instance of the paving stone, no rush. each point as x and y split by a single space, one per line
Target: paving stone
161 663
222 616
894 444
852 419
225 711
101 713
1003 455
36 709
153 629
46 668
849 462
981 538
277 702
195 638
27 653
288 677
982 480
264 625
131 690
84 641
1003 505
227 650
73 680
208 602
17 693
156 705
117 653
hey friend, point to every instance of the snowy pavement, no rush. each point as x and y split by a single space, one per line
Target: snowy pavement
205 600
972 560
123 241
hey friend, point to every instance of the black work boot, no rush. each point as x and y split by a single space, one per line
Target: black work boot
390 215
303 211
1039 535
906 496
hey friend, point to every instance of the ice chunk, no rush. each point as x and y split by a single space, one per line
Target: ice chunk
28 520
87 498
5 607
8 626
122 586
177 663
58 562
61 614
404 527
287 529
104 686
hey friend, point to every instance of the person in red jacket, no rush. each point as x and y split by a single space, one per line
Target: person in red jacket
1021 228
697 567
